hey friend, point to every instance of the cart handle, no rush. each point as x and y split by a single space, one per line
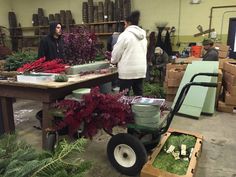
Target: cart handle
204 74
180 101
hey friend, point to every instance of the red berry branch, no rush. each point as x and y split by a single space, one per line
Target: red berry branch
41 65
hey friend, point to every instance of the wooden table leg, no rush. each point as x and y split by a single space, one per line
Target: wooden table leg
47 123
7 114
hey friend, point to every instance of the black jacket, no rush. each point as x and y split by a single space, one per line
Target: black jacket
50 47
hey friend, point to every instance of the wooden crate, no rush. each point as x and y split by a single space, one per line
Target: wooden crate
149 171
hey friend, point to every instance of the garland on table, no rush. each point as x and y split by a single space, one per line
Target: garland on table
96 111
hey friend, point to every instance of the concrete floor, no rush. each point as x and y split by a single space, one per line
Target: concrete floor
218 157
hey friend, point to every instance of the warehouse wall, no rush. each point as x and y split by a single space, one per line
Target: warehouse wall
186 17
5 7
25 8
179 13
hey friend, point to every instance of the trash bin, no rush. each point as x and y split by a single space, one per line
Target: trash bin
196 51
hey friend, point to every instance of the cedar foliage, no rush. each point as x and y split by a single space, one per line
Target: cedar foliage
17 159
18 59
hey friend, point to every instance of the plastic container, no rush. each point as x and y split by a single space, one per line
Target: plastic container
196 51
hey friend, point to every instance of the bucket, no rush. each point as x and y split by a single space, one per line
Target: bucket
196 51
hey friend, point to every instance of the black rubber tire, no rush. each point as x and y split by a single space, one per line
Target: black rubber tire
133 143
51 142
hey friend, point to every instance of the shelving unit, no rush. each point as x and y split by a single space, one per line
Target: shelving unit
24 40
102 23
104 28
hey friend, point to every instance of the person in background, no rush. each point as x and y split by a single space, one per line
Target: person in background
211 53
130 54
51 46
110 44
112 41
159 61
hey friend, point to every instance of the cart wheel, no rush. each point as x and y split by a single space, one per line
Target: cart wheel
51 140
126 154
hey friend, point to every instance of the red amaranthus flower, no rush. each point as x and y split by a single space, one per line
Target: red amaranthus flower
41 65
96 111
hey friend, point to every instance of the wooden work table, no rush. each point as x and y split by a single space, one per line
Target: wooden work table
46 93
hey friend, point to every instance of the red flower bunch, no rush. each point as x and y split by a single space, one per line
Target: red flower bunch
96 111
41 65
80 46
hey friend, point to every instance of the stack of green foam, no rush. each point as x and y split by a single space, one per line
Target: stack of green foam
199 99
146 115
80 92
76 69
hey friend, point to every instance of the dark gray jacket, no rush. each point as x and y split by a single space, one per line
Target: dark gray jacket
211 55
160 60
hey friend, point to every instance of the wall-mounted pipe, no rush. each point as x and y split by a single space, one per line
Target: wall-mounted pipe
179 23
217 7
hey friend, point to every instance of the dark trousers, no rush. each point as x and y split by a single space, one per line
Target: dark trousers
135 84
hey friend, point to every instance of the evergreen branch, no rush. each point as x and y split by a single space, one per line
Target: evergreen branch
66 149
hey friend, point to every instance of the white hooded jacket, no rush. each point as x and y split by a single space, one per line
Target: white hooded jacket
130 53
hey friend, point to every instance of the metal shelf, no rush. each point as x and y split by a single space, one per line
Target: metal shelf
102 23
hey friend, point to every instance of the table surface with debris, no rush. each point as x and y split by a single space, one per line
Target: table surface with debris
72 79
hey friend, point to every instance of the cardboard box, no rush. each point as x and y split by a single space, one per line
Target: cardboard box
231 89
165 84
223 60
176 66
220 75
171 90
229 99
221 47
230 67
223 50
173 82
222 107
223 54
175 74
230 78
190 59
170 97
149 171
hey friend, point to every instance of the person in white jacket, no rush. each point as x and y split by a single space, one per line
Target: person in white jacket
130 54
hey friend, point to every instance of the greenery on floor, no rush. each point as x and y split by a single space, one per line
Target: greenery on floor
167 162
17 159
153 90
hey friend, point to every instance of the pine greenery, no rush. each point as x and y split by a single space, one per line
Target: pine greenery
17 159
16 60
153 90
